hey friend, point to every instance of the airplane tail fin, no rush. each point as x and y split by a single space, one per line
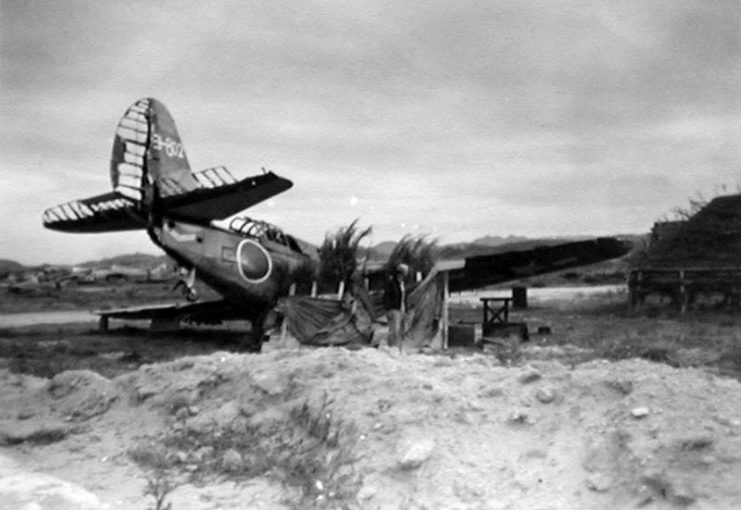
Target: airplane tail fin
150 172
149 163
147 151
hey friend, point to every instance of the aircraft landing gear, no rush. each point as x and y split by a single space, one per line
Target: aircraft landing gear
191 295
187 283
252 342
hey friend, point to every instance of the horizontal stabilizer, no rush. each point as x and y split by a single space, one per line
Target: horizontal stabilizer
486 270
219 198
103 213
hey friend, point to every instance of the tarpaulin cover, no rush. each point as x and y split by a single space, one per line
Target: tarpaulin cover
319 321
424 310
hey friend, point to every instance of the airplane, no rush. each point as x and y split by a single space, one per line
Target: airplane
249 262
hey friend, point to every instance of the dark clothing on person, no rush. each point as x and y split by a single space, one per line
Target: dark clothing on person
393 294
394 301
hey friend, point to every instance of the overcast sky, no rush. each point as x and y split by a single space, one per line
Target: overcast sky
455 119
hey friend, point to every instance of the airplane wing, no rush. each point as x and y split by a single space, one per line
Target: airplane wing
480 271
203 312
220 195
101 213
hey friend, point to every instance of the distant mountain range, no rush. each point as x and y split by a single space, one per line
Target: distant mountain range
138 260
499 240
10 266
134 260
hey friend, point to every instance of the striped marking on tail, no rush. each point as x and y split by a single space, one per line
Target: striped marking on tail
133 131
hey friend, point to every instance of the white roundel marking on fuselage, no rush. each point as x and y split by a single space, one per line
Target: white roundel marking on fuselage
262 251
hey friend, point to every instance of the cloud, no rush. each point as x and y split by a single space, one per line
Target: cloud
517 117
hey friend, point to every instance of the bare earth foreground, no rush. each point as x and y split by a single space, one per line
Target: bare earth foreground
335 428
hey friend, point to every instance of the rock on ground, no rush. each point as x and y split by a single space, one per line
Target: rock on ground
81 394
36 491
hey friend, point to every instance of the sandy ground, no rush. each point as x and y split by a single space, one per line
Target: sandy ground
536 296
542 295
624 435
458 430
14 320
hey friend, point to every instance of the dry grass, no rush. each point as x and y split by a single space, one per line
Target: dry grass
160 472
159 486
311 452
45 351
605 325
730 356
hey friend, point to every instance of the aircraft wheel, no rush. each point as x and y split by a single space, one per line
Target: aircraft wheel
191 295
252 342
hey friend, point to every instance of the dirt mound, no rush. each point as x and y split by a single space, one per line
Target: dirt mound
81 394
372 429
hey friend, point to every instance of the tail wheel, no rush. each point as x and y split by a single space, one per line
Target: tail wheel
186 284
190 294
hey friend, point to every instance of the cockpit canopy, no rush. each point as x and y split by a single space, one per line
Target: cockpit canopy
263 231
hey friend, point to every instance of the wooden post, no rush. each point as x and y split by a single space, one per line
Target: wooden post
341 290
284 326
445 314
519 298
313 288
485 323
632 300
103 323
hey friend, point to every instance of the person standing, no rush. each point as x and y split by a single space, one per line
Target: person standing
394 301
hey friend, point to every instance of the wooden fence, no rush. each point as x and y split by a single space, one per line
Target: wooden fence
685 285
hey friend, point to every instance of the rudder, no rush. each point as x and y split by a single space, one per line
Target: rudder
151 178
147 151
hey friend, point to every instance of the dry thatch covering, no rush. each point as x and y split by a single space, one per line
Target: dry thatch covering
711 238
418 252
338 256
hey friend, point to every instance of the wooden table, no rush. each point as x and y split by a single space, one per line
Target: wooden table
496 312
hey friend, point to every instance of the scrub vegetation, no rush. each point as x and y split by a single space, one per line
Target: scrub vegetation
311 451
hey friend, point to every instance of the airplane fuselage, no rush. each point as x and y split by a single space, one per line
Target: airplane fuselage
250 262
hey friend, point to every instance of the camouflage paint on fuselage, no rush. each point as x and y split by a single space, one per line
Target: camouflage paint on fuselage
244 268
